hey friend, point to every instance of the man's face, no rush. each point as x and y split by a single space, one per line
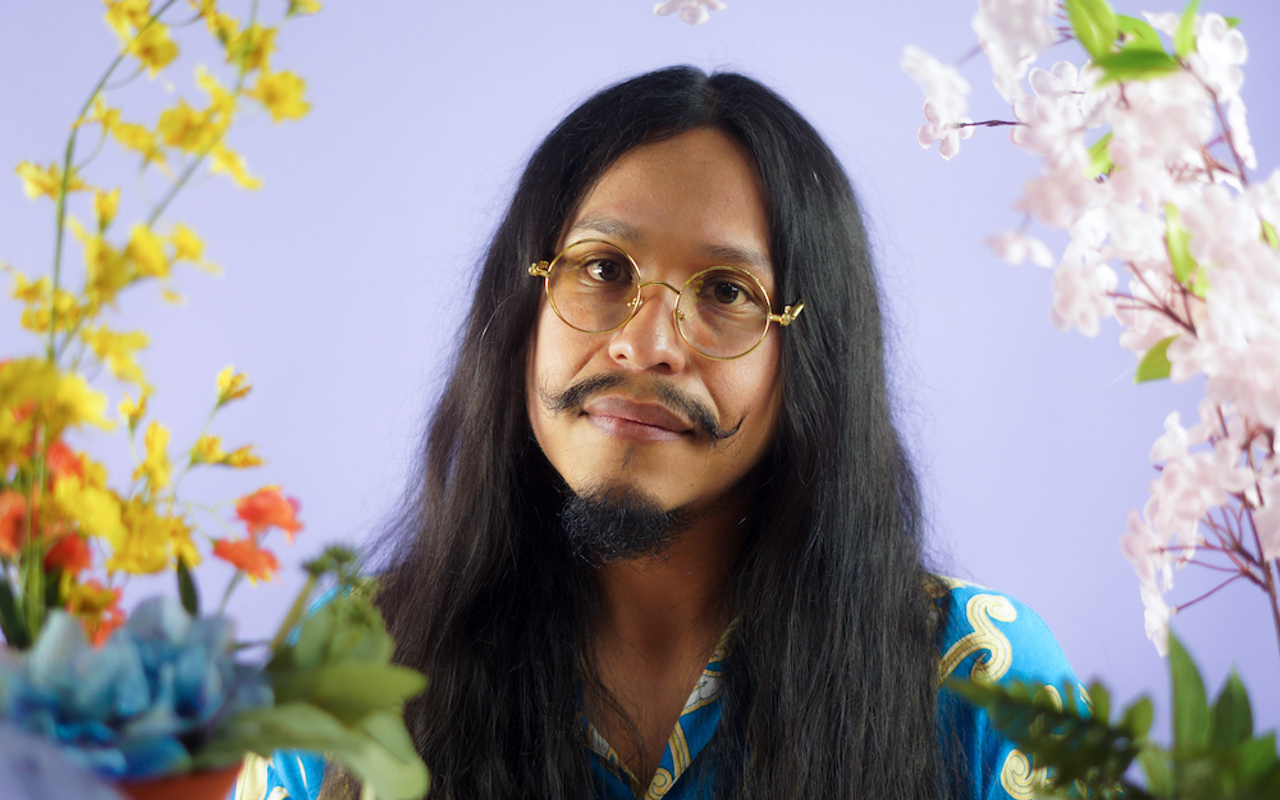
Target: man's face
630 422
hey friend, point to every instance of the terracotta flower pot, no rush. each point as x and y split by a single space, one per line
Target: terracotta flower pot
214 784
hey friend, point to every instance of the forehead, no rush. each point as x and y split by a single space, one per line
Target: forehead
697 195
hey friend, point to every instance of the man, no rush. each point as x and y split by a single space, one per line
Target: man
666 541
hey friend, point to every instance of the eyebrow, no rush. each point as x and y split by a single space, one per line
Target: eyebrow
721 254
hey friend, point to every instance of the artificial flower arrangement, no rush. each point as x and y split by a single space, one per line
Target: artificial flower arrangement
164 689
1146 160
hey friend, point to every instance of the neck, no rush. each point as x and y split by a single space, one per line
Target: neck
677 600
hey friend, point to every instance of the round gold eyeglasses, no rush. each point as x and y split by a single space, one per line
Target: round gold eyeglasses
721 312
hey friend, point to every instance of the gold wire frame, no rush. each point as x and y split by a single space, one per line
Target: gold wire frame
542 269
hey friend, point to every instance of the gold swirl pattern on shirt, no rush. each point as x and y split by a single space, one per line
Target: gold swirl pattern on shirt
1016 775
662 781
1018 778
983 611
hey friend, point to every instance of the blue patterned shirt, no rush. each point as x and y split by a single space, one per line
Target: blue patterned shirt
988 634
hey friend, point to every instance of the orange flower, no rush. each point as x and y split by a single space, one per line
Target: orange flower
245 555
62 461
70 554
267 508
98 609
13 522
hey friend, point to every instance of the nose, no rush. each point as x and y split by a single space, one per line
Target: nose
649 340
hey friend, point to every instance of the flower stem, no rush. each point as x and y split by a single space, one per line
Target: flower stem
293 617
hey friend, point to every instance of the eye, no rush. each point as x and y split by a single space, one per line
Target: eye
605 270
729 290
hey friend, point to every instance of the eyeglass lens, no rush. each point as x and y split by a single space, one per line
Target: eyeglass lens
721 312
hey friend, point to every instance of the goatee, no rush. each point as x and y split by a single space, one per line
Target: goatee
605 525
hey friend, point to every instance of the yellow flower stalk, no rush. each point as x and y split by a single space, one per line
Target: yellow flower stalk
281 94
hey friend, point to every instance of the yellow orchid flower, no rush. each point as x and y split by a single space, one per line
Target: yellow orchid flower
187 246
127 16
297 7
232 385
117 351
146 251
47 181
252 47
133 412
221 100
153 47
152 541
96 509
105 206
227 161
40 301
243 458
155 467
281 94
33 386
207 450
187 129
138 138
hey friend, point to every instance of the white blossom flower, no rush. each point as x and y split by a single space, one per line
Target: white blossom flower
945 104
1081 295
1013 248
1012 33
694 12
1220 50
1155 617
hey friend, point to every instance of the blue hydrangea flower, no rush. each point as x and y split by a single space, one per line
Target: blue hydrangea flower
143 702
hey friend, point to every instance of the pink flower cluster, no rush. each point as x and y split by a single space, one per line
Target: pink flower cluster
1150 177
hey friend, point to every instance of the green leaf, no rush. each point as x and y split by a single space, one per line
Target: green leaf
1094 25
1190 704
351 690
1155 364
1184 41
1135 65
1232 22
1232 717
1137 718
394 772
1101 700
1176 239
187 590
1100 163
12 622
1258 759
1269 235
1156 769
1138 33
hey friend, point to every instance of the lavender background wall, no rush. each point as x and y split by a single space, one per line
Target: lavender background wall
349 273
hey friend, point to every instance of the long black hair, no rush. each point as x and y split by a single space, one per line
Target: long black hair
831 682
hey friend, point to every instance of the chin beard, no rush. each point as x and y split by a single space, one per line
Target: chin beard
607 524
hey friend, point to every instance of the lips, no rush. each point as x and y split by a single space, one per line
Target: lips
628 419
